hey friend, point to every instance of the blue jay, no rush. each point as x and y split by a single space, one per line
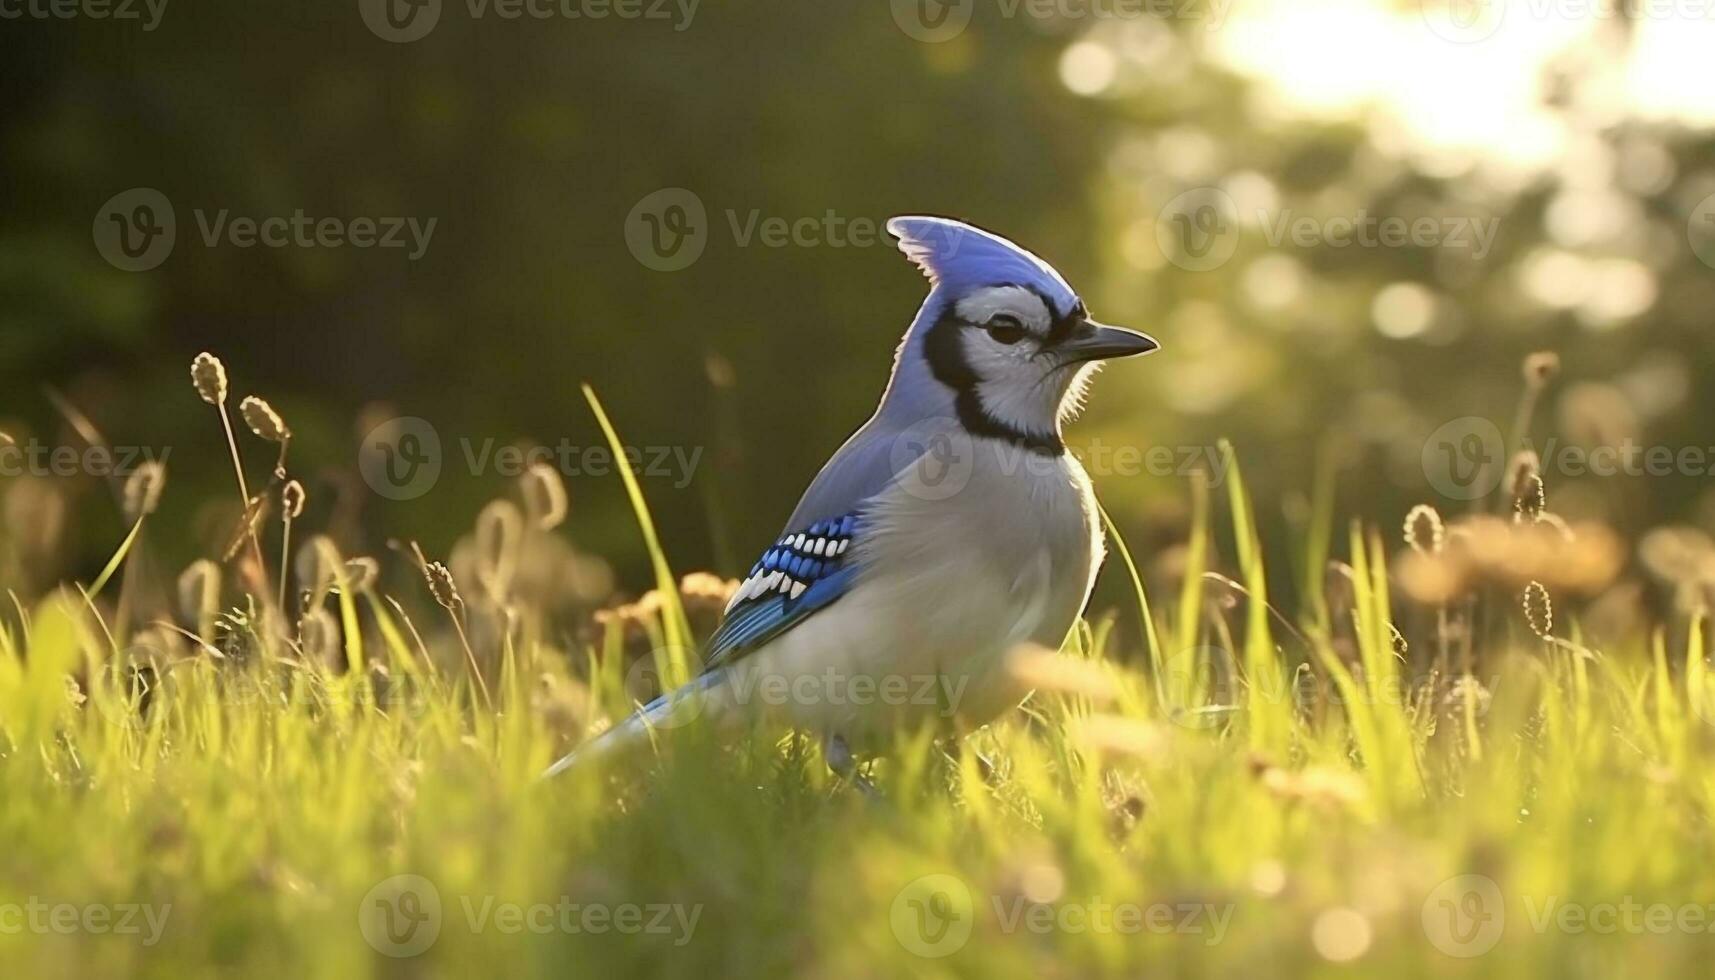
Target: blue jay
950 528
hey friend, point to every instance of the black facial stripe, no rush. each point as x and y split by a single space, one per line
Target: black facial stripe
1062 327
946 357
947 363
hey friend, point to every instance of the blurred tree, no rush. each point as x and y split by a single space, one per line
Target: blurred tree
529 142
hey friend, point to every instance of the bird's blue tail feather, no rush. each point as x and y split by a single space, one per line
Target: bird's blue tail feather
671 709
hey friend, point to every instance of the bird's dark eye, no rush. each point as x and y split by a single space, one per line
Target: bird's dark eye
1006 329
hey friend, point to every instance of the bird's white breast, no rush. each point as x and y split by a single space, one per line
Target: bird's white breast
961 561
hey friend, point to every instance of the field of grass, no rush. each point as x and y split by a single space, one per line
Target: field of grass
1427 770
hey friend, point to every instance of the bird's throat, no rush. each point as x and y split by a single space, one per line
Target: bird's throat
947 364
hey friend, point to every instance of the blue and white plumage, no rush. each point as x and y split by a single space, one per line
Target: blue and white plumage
951 527
801 573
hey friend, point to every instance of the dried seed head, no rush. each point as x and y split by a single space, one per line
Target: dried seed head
1678 554
719 371
1529 499
1539 610
263 420
441 584
499 535
199 591
1524 479
209 376
143 490
292 500
632 619
544 496
1424 531
315 567
709 586
361 573
1540 368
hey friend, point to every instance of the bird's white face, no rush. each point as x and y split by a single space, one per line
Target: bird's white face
1001 348
1010 345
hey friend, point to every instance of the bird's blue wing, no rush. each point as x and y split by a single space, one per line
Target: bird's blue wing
764 606
804 571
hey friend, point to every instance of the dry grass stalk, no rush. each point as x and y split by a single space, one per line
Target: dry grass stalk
1525 486
446 593
208 375
291 507
1539 369
247 527
1426 535
139 497
292 499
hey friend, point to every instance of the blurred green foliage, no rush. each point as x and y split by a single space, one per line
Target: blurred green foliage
530 141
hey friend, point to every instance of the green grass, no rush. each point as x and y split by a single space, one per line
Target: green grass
1162 811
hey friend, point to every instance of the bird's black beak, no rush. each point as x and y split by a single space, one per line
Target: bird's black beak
1092 341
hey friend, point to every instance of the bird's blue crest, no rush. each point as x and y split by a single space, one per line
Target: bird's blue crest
960 257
